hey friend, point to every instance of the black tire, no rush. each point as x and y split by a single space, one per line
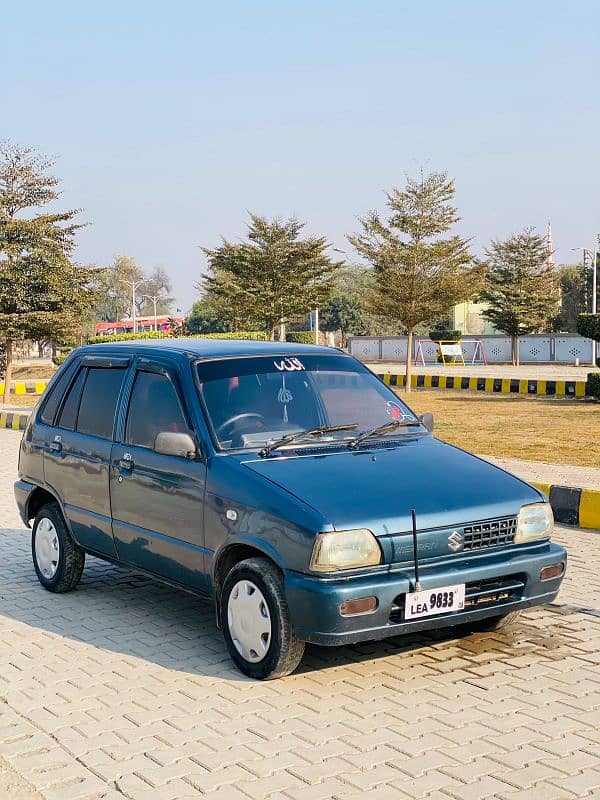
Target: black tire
285 650
71 558
496 623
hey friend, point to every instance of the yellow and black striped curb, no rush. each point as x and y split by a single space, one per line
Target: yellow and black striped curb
15 420
547 388
26 387
573 506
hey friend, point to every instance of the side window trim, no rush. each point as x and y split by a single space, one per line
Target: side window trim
71 371
169 372
63 399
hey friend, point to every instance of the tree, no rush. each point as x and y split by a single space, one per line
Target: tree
114 292
521 290
574 298
270 279
205 318
344 314
158 286
419 276
43 294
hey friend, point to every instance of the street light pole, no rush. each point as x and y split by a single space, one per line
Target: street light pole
155 298
593 257
595 293
135 285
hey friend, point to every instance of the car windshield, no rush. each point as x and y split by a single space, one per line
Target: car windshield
251 402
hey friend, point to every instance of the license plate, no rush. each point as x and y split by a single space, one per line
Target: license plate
428 602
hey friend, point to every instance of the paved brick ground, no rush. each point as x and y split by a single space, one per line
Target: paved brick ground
123 689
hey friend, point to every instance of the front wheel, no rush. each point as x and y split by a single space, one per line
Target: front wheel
256 621
57 559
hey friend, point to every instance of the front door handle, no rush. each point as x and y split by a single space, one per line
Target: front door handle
126 462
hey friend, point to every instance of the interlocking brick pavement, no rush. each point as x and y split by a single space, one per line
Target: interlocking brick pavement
123 690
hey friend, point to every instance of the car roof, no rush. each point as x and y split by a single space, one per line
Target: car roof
207 348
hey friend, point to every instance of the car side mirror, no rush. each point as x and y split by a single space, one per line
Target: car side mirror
426 419
168 443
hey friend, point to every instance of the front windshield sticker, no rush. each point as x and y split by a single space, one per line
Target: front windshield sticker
289 365
396 413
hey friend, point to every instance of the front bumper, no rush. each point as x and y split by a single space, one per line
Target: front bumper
314 601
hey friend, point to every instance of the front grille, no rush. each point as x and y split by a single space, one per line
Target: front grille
494 591
493 533
478 594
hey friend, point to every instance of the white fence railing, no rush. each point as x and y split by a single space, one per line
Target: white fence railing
561 348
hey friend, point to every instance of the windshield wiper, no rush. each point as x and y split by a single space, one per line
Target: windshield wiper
292 437
387 427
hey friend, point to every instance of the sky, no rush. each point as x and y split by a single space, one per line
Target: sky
170 121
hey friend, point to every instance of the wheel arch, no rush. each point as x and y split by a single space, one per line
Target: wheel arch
230 555
40 497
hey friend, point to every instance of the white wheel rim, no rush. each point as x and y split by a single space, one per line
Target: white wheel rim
47 548
249 621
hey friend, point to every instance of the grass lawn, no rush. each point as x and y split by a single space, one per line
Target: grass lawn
29 373
545 429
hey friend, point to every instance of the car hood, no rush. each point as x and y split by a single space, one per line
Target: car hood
377 487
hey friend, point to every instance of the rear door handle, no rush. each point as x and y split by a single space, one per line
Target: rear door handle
126 462
56 445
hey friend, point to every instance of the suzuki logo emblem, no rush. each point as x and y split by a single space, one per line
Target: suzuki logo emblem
455 540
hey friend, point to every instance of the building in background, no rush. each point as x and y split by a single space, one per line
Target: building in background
142 324
467 318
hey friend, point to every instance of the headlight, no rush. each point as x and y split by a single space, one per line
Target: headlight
534 522
345 550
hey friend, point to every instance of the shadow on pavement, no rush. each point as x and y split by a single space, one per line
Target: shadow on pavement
118 610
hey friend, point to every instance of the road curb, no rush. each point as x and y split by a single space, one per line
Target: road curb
26 387
573 505
546 388
14 420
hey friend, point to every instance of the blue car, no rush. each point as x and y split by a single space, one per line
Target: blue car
287 483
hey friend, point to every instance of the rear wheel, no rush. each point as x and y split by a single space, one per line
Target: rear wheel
57 559
256 622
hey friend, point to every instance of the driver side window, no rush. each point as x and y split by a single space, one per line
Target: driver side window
154 407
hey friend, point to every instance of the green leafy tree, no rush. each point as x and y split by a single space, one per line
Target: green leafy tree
157 287
270 279
522 290
344 314
419 275
114 290
205 318
574 296
43 294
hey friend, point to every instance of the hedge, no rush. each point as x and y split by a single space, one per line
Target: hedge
588 325
300 337
60 359
126 337
439 335
592 387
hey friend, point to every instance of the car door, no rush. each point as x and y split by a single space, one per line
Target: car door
77 456
158 500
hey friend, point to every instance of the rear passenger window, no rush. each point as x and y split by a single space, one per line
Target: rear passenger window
55 395
99 401
154 407
68 415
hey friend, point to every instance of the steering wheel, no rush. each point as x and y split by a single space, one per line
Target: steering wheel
223 428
